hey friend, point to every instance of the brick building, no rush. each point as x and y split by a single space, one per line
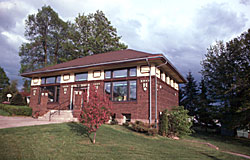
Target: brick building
128 76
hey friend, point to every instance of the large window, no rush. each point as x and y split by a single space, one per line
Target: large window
121 90
53 93
120 73
51 80
81 76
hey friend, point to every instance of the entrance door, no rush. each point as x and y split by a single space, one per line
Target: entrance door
79 97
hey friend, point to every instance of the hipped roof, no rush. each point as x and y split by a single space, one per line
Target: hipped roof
112 57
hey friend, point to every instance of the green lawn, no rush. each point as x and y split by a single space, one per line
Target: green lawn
70 141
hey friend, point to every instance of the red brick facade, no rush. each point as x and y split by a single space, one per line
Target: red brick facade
167 96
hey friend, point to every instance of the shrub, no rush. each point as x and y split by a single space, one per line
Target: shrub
17 100
175 123
163 123
141 127
114 122
17 110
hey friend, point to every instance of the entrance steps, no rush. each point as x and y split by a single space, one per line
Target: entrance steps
59 116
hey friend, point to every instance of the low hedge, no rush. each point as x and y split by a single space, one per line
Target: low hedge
16 110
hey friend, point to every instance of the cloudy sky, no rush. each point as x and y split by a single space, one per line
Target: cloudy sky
180 29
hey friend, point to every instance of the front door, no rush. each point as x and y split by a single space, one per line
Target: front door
79 97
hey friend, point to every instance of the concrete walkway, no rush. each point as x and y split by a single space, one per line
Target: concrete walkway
10 122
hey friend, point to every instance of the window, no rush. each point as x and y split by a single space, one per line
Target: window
51 80
120 73
43 80
81 76
132 72
132 90
121 90
53 93
107 87
107 74
58 79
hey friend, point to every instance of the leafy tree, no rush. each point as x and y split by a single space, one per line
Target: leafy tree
92 34
17 100
96 111
226 69
4 82
190 92
45 32
10 89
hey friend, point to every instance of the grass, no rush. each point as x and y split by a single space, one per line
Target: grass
71 141
238 145
4 113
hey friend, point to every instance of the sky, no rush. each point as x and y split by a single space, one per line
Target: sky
181 30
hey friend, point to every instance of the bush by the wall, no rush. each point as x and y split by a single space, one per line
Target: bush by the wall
178 122
17 110
141 127
17 100
163 123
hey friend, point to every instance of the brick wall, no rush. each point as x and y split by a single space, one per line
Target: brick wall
139 109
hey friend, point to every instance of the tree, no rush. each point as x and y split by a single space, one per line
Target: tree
17 100
206 113
26 86
10 89
4 82
190 92
226 69
45 32
96 111
92 34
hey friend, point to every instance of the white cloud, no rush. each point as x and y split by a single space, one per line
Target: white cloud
181 29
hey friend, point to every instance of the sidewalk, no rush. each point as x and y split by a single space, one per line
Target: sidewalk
10 122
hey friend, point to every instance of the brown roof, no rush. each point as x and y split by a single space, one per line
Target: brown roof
97 59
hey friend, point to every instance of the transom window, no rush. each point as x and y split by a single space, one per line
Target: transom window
121 90
81 76
51 80
120 73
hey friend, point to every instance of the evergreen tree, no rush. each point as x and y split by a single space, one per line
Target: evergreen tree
227 71
206 113
4 82
26 86
190 92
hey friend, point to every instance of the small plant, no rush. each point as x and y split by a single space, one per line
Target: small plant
175 123
145 128
114 122
163 123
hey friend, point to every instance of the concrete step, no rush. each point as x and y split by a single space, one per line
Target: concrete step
64 116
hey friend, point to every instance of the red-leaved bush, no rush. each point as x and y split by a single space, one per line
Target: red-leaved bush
96 111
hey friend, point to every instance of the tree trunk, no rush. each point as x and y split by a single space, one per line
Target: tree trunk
94 138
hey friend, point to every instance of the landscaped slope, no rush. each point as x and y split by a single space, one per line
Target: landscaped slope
70 141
